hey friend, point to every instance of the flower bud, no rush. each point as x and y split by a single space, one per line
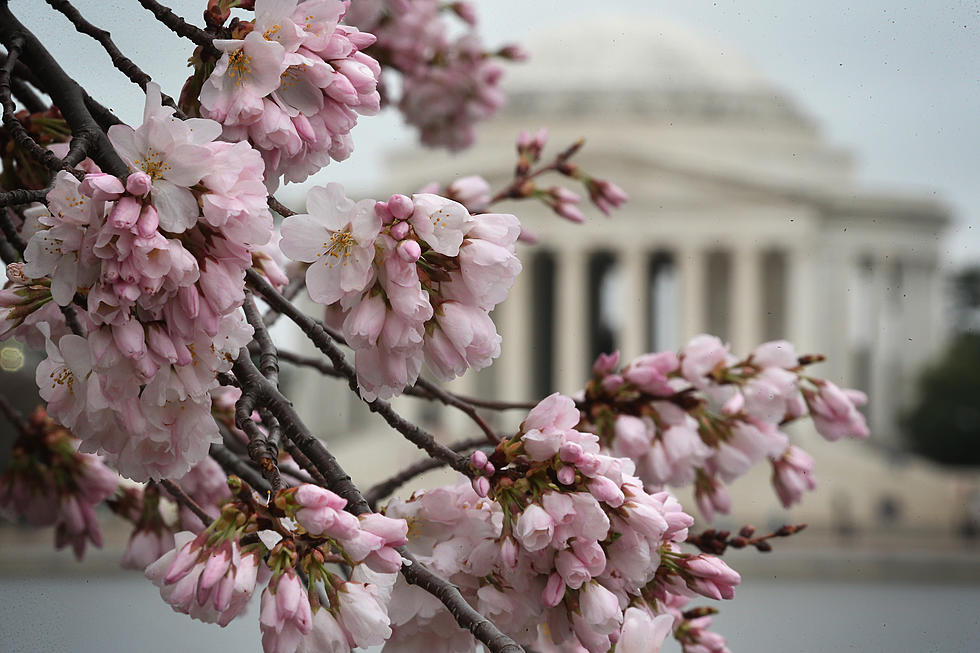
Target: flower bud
139 183
401 206
409 250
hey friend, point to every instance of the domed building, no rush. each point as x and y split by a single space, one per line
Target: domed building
742 222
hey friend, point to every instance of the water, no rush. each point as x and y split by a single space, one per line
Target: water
124 614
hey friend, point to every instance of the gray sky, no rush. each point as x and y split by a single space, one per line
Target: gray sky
898 84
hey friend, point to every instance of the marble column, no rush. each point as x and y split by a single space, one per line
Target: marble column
634 265
801 298
691 268
572 323
514 323
746 301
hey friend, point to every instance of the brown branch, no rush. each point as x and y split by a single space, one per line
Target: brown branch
10 233
319 337
449 399
66 94
122 63
232 464
383 489
13 415
15 45
23 91
717 542
263 448
181 27
292 289
279 207
183 498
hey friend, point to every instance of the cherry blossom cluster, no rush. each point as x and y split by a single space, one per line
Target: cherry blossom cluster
705 417
448 84
49 483
412 279
158 261
292 82
555 541
294 544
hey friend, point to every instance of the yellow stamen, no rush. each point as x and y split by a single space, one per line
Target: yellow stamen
153 164
239 67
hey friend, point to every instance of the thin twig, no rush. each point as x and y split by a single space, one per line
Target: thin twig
45 157
292 289
22 196
181 27
121 62
71 319
279 207
13 415
23 91
10 233
66 94
450 399
263 448
383 489
183 498
232 464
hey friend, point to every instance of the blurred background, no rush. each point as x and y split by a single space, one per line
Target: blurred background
795 171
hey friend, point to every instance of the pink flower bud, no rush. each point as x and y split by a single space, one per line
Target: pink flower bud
570 212
101 186
554 591
130 338
125 213
466 11
381 210
566 475
399 230
148 222
481 486
528 236
541 138
734 405
139 183
508 552
612 383
409 250
513 53
570 452
401 206
478 459
605 490
606 363
489 469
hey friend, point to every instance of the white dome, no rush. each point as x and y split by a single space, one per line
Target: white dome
633 53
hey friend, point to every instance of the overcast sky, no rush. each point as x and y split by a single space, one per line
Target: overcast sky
896 83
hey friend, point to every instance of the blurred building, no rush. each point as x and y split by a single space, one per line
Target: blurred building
743 222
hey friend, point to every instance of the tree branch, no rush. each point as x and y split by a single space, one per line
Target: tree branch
232 464
66 94
183 498
383 489
181 27
15 44
122 63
